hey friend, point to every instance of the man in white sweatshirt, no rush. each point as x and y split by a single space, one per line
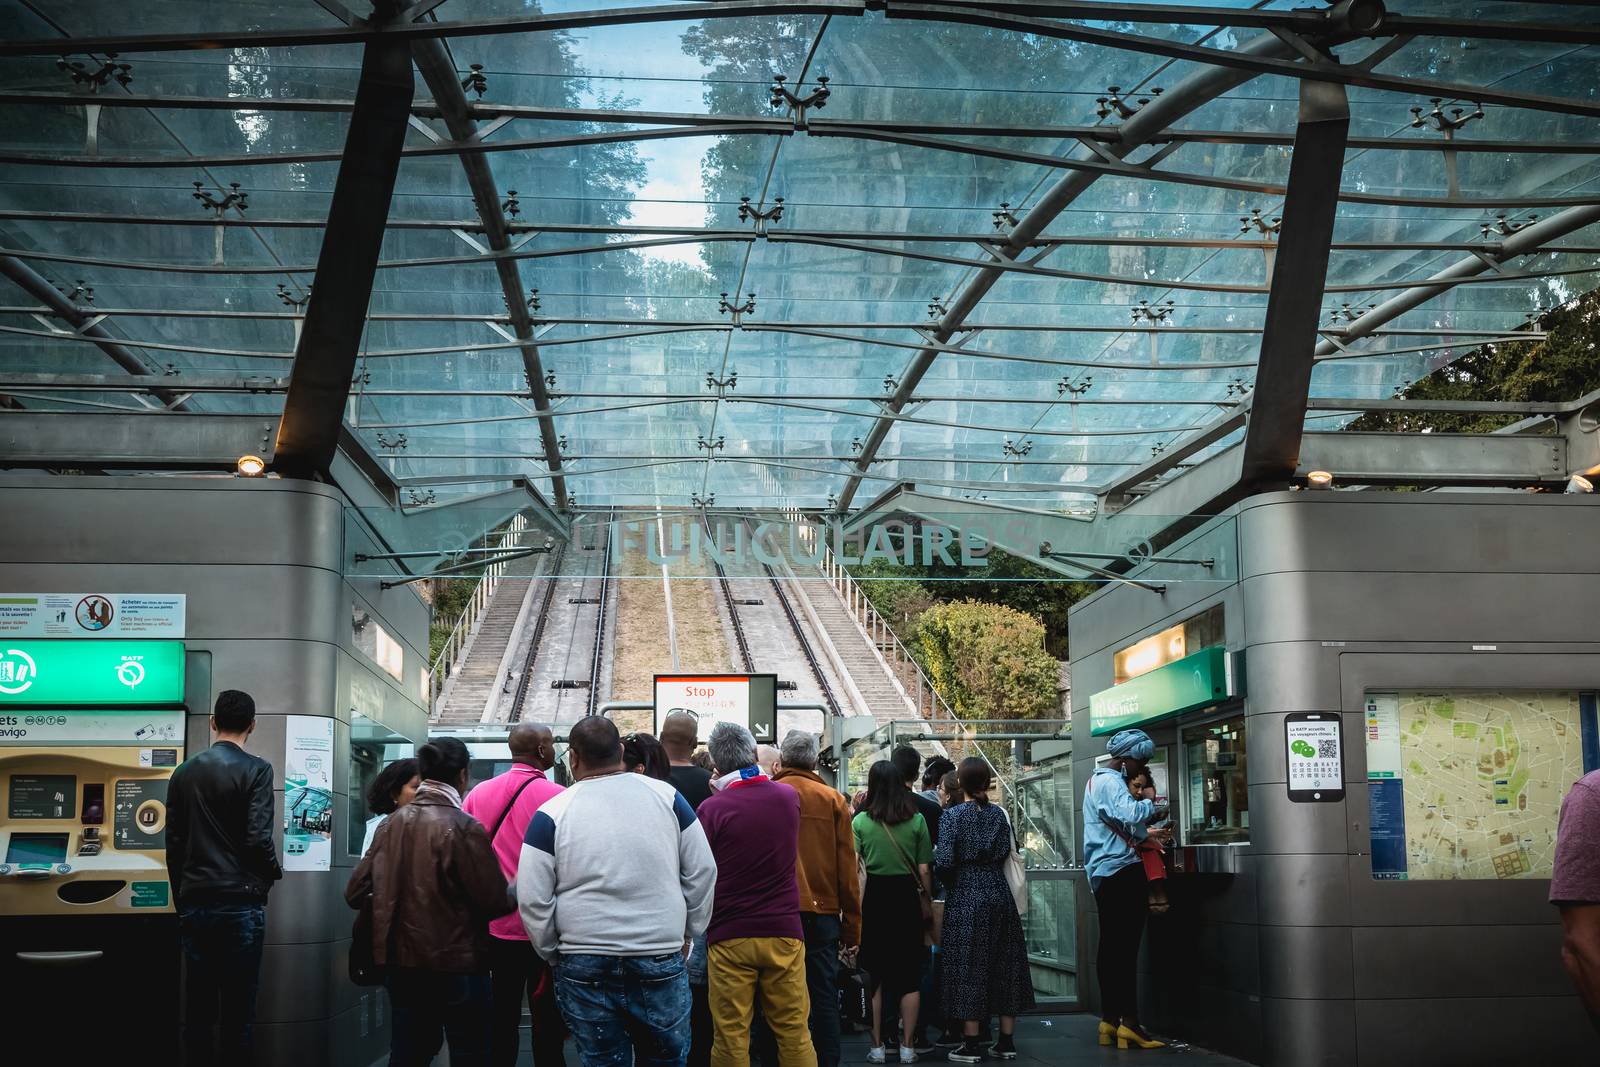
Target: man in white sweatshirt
615 879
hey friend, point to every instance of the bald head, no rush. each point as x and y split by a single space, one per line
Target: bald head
680 733
768 758
532 743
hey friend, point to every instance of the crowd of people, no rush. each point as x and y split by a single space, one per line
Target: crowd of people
662 913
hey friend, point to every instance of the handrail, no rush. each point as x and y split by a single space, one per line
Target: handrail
441 675
877 630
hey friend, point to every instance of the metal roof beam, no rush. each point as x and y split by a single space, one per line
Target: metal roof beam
440 73
335 319
1303 21
85 324
1294 306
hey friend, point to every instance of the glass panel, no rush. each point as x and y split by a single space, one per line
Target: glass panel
373 747
1217 764
1051 929
1468 783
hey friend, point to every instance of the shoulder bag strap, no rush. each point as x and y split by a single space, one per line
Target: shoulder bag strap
911 868
509 805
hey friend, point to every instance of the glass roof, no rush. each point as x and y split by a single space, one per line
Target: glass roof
731 295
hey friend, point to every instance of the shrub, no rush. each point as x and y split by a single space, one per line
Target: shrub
988 660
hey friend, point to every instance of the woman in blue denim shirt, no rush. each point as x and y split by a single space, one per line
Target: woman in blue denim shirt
1114 821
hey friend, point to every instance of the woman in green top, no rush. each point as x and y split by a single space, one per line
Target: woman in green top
894 846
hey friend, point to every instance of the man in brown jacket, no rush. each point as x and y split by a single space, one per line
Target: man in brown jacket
434 884
830 900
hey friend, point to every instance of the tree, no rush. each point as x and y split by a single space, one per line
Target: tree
1564 365
988 660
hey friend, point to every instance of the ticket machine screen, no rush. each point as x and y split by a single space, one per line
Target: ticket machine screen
37 849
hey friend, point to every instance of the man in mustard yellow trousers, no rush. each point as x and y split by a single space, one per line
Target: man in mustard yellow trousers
757 942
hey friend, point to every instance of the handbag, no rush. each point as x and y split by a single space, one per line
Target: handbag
930 925
1016 873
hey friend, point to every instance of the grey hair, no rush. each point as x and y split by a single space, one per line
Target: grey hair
731 747
799 750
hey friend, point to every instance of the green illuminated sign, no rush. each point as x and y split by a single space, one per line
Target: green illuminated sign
1182 685
90 673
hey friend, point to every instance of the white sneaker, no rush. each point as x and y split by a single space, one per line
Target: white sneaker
876 1055
908 1054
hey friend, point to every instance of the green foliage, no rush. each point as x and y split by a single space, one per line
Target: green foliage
450 597
988 660
1564 365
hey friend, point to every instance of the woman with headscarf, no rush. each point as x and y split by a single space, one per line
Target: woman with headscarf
1114 822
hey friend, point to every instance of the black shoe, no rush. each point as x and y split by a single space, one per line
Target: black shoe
969 1052
1004 1049
949 1040
924 1046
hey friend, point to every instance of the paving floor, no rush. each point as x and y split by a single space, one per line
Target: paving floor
1042 1041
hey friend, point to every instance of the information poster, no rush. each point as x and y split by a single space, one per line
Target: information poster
139 814
308 793
92 614
747 699
1315 758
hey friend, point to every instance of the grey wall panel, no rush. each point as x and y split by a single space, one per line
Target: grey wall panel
1303 890
306 982
1516 902
1445 532
1217 898
177 521
336 1041
1289 675
1211 1016
1225 955
1310 1033
1307 962
1461 607
308 906
1458 961
1473 1032
1280 825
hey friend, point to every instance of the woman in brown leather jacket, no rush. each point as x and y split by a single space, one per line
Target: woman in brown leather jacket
434 884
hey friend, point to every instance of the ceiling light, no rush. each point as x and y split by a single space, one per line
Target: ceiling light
1319 480
251 466
1579 484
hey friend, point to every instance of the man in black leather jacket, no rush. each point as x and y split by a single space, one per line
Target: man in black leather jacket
221 861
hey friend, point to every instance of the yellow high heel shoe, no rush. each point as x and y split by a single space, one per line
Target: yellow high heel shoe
1127 1038
1107 1032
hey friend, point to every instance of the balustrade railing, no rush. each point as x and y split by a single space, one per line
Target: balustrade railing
443 670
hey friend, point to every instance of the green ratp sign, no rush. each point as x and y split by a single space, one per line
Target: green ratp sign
90 673
1182 685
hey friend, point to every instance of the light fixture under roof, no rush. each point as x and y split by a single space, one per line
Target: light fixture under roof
1579 484
251 466
1319 480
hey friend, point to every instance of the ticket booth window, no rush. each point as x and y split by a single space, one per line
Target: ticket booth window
1216 762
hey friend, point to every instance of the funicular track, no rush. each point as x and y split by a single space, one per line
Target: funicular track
794 627
550 663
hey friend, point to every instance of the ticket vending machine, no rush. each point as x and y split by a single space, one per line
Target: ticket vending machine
90 733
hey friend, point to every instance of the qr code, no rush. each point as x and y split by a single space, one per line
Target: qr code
1328 749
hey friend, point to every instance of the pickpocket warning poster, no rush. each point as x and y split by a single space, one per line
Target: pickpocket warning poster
308 793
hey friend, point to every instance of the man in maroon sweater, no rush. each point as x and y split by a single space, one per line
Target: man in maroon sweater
757 942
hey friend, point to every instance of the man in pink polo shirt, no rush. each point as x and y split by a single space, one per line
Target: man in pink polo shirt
505 805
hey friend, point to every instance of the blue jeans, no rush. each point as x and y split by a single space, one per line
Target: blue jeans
618 1005
222 962
822 976
430 1006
